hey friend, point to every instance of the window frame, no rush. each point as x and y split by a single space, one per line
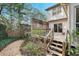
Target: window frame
58 28
56 10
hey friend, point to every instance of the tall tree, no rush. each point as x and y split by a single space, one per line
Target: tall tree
18 12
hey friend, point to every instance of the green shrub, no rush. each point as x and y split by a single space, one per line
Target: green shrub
3 33
2 27
73 36
33 49
6 41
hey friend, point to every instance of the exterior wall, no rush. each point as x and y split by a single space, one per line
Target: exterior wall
37 25
57 35
72 16
57 16
72 19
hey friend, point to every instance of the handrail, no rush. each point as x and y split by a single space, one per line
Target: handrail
49 33
46 38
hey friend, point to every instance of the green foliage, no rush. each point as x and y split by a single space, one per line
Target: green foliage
3 33
33 49
39 31
73 51
2 27
26 37
77 33
6 41
16 11
77 50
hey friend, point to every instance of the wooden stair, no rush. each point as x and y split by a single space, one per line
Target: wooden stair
56 48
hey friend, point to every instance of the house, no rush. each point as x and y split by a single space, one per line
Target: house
73 17
39 27
73 20
58 20
39 24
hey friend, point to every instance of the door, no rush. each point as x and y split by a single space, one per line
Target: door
77 19
58 31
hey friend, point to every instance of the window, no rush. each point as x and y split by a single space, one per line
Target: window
77 26
55 27
59 9
58 27
56 10
77 19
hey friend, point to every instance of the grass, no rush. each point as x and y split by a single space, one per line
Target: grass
6 41
39 31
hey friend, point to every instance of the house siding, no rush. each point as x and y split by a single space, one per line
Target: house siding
72 20
72 16
58 35
56 19
57 16
37 25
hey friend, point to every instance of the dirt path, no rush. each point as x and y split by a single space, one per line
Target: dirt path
12 49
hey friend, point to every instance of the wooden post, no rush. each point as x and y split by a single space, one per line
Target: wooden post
64 48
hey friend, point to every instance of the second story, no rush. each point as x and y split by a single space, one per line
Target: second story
56 12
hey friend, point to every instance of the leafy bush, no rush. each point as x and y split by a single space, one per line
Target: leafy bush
3 33
73 51
2 27
6 41
32 49
72 37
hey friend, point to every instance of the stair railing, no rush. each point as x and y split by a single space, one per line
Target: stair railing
51 35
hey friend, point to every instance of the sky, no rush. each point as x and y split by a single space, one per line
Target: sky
42 6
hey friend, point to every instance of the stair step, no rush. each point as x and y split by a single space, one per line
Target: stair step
56 47
54 55
54 52
57 44
48 54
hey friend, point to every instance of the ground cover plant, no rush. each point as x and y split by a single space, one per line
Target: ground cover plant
33 47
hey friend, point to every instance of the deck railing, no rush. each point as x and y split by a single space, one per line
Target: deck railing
45 34
49 37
